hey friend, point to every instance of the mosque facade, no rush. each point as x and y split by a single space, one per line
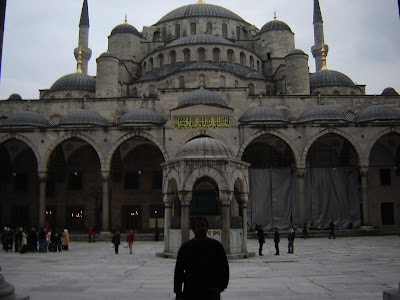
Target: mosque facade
201 113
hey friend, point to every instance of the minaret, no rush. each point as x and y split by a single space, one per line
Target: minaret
84 39
318 37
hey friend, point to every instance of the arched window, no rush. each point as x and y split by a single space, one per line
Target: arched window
252 89
160 60
238 33
201 54
193 28
216 55
151 63
164 33
242 58
231 56
156 36
221 81
209 28
172 57
202 80
251 61
186 55
152 91
224 30
177 31
182 82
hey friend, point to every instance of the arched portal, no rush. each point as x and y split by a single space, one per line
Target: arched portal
205 198
18 184
384 180
332 184
272 184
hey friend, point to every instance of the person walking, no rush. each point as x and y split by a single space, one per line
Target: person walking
130 239
42 240
305 231
261 239
332 229
116 240
90 233
201 266
291 240
276 240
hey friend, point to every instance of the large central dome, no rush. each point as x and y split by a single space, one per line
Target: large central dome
199 10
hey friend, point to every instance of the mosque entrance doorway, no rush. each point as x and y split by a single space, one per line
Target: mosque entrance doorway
204 201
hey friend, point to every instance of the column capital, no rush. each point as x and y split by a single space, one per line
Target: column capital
301 172
167 199
42 176
185 197
105 175
363 171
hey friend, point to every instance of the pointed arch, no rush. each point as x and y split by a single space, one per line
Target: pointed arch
344 135
204 171
372 142
172 174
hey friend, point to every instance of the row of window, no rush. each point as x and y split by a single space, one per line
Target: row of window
201 56
162 36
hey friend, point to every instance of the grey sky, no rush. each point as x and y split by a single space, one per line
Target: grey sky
40 36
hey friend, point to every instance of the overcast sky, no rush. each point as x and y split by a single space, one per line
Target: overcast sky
40 36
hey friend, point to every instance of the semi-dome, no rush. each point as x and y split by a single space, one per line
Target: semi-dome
15 97
377 113
205 147
26 118
329 78
295 52
321 113
125 28
200 39
389 91
202 96
262 114
107 54
199 10
83 117
75 81
142 115
275 25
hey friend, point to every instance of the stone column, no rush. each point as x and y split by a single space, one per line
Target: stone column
364 195
42 198
302 196
244 222
226 221
105 213
185 216
167 220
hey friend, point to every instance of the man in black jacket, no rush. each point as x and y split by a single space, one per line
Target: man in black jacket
276 240
201 266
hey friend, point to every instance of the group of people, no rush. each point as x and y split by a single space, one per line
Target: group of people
24 240
261 239
116 240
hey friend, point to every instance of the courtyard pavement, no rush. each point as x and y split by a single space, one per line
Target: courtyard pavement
344 268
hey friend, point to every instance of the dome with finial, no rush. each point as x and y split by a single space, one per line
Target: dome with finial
202 97
75 81
142 115
321 113
14 97
262 114
389 91
26 118
377 112
125 28
83 117
275 24
205 147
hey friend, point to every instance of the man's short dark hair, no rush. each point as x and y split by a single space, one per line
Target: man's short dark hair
196 219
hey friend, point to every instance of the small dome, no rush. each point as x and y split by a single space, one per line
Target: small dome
107 54
329 78
205 147
200 39
83 117
202 96
142 115
321 113
275 25
389 91
199 10
377 113
125 28
75 81
262 114
15 97
26 118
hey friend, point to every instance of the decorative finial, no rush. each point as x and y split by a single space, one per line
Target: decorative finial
79 67
275 15
324 67
200 2
126 18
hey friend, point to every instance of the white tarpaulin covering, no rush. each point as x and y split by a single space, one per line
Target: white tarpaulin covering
331 194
